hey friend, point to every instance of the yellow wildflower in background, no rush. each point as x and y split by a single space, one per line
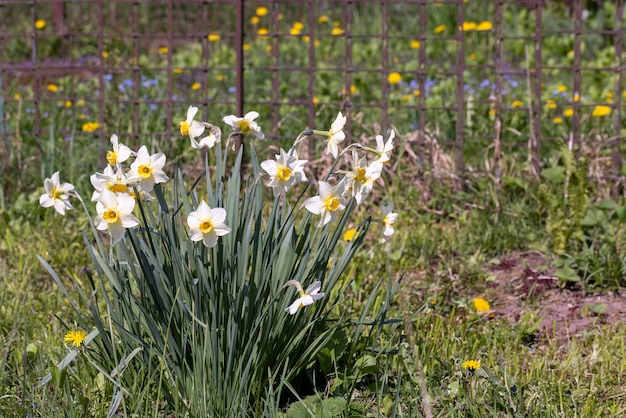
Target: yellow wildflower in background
558 120
415 44
468 26
262 32
52 87
220 77
337 31
105 54
177 70
481 305
517 103
485 25
247 47
394 78
90 126
576 97
471 365
609 98
255 20
298 25
472 56
268 48
40 24
163 50
196 86
322 19
75 338
416 93
349 234
17 96
80 102
67 104
562 88
336 23
568 112
316 100
601 110
551 104
439 29
294 31
213 37
261 11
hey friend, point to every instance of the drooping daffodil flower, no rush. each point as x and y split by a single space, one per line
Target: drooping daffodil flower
245 125
306 298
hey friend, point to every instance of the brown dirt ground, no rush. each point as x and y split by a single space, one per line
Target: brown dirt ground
524 281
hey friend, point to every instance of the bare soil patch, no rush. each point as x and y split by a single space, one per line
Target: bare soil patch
524 281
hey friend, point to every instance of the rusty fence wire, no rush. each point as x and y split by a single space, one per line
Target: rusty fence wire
470 76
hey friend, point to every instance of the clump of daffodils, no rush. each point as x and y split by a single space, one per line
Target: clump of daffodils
131 176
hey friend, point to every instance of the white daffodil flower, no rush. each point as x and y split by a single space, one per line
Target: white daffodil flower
115 214
206 224
191 127
214 136
245 125
57 194
284 171
115 181
328 203
389 219
383 149
119 154
306 298
336 135
149 168
360 181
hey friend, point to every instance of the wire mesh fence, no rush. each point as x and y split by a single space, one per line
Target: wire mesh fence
474 77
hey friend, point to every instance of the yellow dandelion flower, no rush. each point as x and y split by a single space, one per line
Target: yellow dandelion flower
298 25
213 37
105 54
349 235
336 23
294 31
40 24
322 19
517 103
80 102
415 44
268 48
485 25
481 305
492 112
624 94
352 89
568 112
416 93
337 31
576 97
163 50
316 100
600 111
471 365
262 32
75 338
562 88
394 78
406 97
177 70
558 120
196 86
67 103
439 29
255 20
472 56
52 87
551 104
247 47
90 127
306 38
261 11
17 96
468 26
220 77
